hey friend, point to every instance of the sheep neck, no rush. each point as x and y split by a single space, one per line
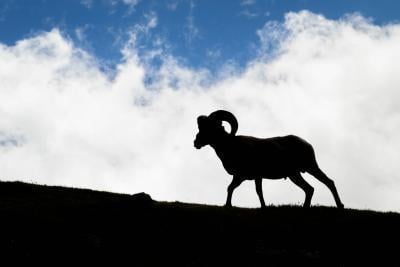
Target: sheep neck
222 144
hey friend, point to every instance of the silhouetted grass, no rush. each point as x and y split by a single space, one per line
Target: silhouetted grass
59 225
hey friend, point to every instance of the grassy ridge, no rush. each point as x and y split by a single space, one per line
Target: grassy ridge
41 223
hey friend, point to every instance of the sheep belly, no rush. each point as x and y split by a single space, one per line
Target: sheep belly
263 158
252 169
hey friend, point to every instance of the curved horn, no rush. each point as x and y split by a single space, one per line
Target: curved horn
224 115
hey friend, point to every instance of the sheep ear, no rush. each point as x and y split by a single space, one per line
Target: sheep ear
201 120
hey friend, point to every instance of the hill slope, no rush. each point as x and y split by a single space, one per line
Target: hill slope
56 224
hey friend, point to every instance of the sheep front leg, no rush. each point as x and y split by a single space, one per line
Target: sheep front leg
259 191
236 181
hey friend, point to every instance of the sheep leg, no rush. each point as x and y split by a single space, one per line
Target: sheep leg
236 181
259 191
307 188
321 176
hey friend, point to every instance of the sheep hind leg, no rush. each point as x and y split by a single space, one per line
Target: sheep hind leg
259 191
298 180
236 181
323 178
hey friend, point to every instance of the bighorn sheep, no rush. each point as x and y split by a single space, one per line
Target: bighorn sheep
251 158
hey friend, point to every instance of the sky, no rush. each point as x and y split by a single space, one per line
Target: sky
105 94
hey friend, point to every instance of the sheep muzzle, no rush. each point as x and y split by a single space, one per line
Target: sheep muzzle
198 143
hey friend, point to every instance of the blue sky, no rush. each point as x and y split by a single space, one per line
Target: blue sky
204 33
105 94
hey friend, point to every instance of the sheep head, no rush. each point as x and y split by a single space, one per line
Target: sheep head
210 127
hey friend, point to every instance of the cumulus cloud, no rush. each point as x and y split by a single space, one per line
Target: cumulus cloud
335 83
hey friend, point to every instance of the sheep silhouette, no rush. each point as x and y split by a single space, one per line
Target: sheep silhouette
251 158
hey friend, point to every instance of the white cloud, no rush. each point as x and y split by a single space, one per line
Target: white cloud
87 3
138 31
247 2
191 31
173 4
214 53
335 83
271 36
131 2
81 33
248 14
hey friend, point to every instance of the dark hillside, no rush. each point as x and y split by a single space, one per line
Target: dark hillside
59 225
